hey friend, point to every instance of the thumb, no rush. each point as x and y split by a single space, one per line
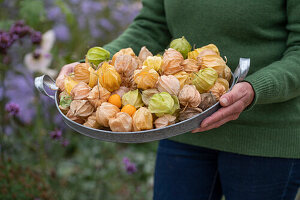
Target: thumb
237 92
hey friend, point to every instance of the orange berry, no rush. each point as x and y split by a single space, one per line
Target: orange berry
129 109
115 99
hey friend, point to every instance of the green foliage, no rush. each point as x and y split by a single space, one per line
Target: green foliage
32 11
17 182
6 24
66 10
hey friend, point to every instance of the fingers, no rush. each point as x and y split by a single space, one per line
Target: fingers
217 124
67 69
223 112
237 92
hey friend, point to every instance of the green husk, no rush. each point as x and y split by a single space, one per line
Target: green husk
96 55
163 103
133 98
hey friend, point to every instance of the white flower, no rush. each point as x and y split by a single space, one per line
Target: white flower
40 59
48 40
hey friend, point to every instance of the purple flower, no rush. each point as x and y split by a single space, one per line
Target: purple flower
97 6
86 7
129 166
62 32
74 1
106 24
65 143
1 92
20 90
5 42
8 130
36 37
19 29
56 134
54 13
12 108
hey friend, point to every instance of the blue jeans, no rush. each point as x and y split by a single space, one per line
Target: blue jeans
186 172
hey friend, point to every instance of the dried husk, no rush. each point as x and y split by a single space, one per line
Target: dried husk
105 112
121 91
221 87
213 61
127 51
206 52
69 84
184 78
81 108
207 100
146 78
164 121
98 95
92 122
74 118
147 94
154 62
172 60
80 91
227 74
194 54
189 113
122 122
82 72
142 119
139 61
93 77
109 77
144 53
205 79
125 65
189 96
224 82
64 110
190 65
169 84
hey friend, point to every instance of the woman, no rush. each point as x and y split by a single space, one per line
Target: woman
250 148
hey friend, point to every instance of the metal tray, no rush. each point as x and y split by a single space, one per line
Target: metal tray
147 135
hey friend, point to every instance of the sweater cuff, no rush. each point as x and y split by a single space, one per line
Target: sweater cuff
262 87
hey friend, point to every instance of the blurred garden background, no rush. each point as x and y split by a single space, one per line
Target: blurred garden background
40 157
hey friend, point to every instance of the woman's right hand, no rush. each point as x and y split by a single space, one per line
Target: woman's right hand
65 70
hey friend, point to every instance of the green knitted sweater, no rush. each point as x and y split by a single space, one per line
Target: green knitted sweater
268 32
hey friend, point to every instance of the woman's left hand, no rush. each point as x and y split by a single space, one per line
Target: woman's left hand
233 103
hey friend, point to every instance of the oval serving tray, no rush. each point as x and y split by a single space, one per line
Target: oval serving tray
147 135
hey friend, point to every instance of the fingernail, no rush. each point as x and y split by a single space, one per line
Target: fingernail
224 101
203 125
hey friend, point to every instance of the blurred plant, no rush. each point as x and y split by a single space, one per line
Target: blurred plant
33 137
40 59
129 166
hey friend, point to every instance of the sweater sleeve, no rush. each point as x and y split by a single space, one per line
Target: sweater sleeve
280 81
148 29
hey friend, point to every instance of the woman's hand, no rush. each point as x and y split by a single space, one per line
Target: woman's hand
233 102
65 70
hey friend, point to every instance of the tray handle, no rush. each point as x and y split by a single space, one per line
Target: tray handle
40 83
242 70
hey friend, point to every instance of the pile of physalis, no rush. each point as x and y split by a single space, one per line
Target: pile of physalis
135 93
